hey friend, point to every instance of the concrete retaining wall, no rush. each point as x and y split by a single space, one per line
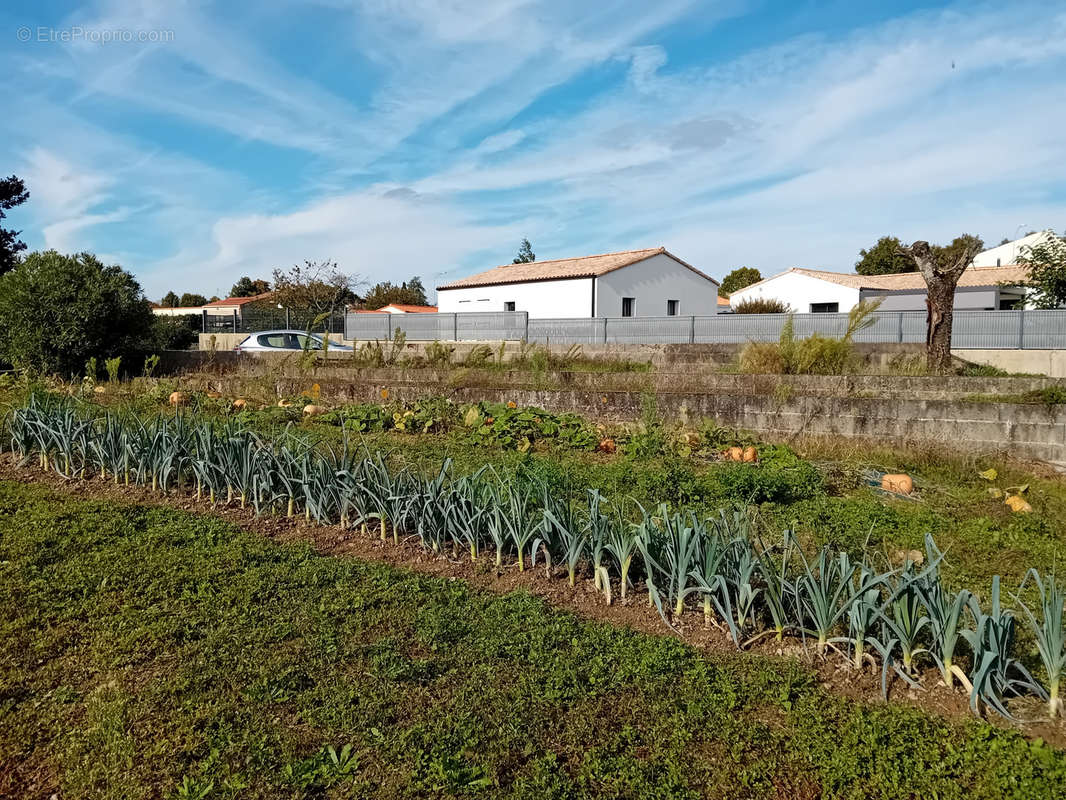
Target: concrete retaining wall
1026 431
1039 362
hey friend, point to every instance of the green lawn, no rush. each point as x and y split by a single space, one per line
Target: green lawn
149 652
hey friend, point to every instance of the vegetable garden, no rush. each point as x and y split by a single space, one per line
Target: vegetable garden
715 569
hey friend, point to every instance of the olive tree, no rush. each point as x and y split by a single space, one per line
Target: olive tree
941 267
59 311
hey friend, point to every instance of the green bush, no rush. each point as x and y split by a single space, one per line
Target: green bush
765 483
59 311
762 305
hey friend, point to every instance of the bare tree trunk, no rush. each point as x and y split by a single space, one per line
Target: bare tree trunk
940 304
941 267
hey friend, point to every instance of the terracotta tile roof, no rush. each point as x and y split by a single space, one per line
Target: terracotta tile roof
239 301
973 276
413 309
723 301
563 268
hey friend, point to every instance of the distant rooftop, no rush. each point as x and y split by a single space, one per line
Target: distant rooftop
564 268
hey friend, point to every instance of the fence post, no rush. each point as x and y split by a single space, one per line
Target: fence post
525 337
692 330
203 313
234 320
455 326
1021 328
900 328
605 330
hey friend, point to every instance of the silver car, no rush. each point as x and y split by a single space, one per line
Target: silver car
285 340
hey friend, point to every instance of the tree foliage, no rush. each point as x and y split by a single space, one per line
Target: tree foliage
191 300
170 300
12 193
410 292
249 287
884 258
61 310
738 279
1047 273
525 253
317 286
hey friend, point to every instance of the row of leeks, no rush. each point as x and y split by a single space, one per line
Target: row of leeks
898 621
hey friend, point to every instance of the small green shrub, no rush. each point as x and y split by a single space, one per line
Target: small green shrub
770 482
479 356
762 305
438 355
112 365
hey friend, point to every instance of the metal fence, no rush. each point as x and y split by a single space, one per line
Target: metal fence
265 319
1006 330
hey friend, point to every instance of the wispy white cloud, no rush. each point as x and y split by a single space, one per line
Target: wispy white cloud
450 128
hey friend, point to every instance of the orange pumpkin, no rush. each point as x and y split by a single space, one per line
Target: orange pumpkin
897 484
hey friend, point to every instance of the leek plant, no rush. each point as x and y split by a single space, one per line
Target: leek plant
1050 634
996 674
567 531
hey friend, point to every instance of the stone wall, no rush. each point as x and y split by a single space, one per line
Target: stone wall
902 410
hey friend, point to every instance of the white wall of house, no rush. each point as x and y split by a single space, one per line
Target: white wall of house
181 311
799 291
651 283
967 298
540 299
1004 254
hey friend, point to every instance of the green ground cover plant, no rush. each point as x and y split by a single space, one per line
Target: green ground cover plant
524 520
151 652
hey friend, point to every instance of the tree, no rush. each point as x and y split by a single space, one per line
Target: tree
941 267
61 310
411 293
189 300
884 258
1047 273
12 193
525 253
170 300
249 287
738 279
174 333
418 291
316 286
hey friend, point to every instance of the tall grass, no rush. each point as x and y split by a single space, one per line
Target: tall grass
815 355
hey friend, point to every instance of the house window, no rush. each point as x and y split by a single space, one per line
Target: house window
628 304
508 305
825 308
672 307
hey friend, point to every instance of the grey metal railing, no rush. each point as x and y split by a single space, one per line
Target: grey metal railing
1004 330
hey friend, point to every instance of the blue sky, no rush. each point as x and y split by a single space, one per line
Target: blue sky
427 137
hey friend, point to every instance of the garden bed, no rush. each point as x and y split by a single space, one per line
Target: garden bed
155 652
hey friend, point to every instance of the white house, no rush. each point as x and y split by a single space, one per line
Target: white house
634 283
820 291
1008 252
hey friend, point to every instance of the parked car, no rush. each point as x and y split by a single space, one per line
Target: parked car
279 341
